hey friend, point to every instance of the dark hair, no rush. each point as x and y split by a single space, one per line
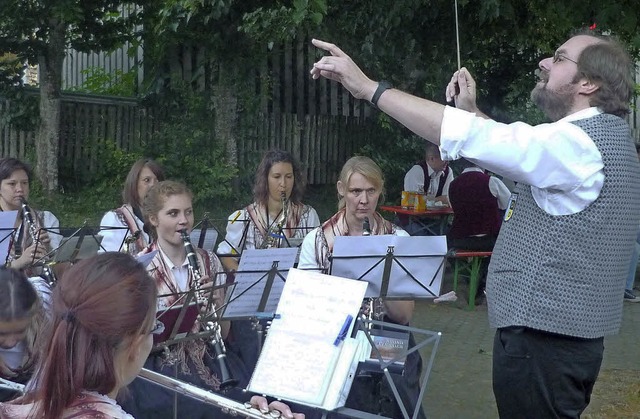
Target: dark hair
464 164
261 185
156 197
130 191
8 165
19 301
431 149
98 303
608 65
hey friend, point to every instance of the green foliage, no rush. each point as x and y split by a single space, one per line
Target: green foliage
101 82
188 148
395 150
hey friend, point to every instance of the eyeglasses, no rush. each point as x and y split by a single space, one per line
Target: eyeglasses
559 57
158 328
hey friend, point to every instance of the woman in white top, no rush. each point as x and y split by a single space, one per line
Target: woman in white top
277 213
360 186
15 179
124 227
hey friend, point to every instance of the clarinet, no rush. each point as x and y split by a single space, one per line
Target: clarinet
372 308
219 351
27 217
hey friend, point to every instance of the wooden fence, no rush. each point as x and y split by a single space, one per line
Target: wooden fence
93 125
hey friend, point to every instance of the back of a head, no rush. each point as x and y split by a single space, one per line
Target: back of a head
608 65
98 303
18 298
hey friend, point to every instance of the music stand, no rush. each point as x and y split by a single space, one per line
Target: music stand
259 281
7 227
399 258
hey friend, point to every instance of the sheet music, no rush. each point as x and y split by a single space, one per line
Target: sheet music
244 299
7 225
299 356
421 256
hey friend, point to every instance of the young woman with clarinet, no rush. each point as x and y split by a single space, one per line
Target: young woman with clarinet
36 232
176 268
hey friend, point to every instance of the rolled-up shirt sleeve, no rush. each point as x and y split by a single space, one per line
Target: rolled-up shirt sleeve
558 160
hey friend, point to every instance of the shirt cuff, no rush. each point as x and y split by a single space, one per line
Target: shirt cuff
456 126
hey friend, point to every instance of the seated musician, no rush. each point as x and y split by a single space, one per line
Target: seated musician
277 211
360 186
103 318
276 215
15 179
167 208
128 219
23 304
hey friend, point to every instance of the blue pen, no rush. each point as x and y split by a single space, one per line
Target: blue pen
343 332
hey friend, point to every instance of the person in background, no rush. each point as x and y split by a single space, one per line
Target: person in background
360 187
15 182
478 201
124 226
263 224
24 303
431 176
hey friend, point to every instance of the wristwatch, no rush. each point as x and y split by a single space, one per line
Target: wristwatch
383 85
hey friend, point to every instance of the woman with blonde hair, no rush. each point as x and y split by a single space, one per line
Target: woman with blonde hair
360 187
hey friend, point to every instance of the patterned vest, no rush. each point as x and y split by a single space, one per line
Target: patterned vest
566 274
475 207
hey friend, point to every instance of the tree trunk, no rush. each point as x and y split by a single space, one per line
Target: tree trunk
48 134
225 105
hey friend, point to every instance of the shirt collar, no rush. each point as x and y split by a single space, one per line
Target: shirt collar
582 114
473 169
168 261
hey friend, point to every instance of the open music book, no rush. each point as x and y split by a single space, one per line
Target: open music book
309 356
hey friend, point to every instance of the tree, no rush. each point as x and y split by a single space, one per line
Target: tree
39 32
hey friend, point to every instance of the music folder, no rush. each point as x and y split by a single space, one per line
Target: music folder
314 321
176 326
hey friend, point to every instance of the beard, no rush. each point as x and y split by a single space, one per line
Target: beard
555 104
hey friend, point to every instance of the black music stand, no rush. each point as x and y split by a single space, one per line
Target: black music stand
7 227
381 286
258 283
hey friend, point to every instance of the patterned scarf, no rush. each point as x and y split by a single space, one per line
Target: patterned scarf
337 226
193 350
259 221
126 216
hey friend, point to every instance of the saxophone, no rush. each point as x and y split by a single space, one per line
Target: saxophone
220 353
275 231
27 217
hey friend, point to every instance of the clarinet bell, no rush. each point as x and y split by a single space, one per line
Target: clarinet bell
226 379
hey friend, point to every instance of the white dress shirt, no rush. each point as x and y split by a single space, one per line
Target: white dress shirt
558 160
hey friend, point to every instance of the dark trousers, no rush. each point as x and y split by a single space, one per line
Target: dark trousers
543 375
